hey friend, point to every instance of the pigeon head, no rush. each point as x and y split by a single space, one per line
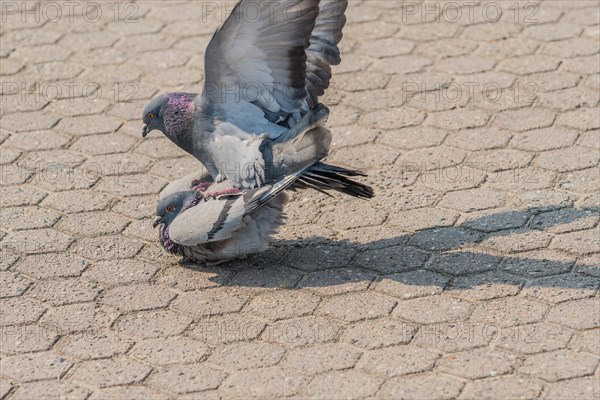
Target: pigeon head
169 208
172 114
174 204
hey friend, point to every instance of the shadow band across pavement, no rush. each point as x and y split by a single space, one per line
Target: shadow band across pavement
461 257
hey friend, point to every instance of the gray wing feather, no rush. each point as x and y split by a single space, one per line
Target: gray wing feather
217 220
263 60
323 51
210 221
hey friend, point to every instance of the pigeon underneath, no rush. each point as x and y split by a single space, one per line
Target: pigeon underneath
210 227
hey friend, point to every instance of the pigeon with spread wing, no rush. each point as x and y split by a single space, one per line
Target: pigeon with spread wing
264 74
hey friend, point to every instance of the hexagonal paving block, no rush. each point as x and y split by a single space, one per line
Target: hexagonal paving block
422 386
532 338
356 306
478 363
433 309
322 358
348 384
509 312
560 364
580 314
263 383
246 355
184 378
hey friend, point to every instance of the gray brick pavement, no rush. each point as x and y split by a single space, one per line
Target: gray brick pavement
473 274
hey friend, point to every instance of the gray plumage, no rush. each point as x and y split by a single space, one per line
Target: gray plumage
263 78
213 230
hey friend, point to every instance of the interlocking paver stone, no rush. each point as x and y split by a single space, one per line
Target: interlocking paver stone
246 355
12 285
589 341
570 159
26 339
397 360
560 364
433 309
580 388
187 378
322 358
525 119
263 383
509 312
579 242
137 297
152 324
65 291
95 345
35 366
356 306
218 330
15 310
582 314
349 384
510 386
337 281
282 305
559 288
533 338
412 284
111 372
170 351
423 386
129 271
127 392
518 240
486 286
301 331
473 200
211 302
462 263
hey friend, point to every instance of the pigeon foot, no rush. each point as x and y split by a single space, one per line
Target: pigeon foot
224 192
200 185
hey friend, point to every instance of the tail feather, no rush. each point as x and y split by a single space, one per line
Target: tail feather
324 177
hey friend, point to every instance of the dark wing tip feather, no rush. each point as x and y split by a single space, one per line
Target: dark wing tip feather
323 50
325 177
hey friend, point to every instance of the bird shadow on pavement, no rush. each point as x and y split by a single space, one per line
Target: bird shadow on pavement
513 248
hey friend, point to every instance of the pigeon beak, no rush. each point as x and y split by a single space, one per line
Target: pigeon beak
145 131
157 222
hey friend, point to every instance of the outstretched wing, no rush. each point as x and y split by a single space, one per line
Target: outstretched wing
259 57
216 220
323 51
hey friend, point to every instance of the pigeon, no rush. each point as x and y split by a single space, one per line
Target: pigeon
263 79
215 225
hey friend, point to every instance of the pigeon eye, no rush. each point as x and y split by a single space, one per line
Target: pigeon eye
150 115
170 209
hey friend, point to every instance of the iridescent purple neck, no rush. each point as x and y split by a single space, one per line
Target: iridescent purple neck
179 116
166 241
182 100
